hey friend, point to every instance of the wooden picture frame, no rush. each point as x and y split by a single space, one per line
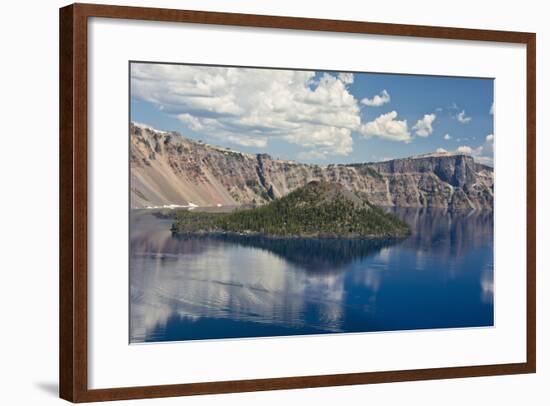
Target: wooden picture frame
73 198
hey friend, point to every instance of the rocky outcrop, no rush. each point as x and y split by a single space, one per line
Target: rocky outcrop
169 169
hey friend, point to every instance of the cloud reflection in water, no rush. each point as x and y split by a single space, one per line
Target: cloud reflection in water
197 288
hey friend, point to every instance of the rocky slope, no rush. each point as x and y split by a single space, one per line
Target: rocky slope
169 169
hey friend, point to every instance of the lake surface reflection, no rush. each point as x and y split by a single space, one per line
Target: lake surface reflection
211 288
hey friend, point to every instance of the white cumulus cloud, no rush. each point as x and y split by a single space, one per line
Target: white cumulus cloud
465 149
447 137
386 126
346 77
483 153
423 127
246 141
378 100
311 155
462 118
489 147
250 107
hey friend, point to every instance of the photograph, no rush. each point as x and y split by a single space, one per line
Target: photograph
283 202
270 203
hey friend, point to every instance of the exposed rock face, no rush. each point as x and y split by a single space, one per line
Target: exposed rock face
454 181
168 169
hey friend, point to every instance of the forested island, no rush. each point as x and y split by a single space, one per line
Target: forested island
317 210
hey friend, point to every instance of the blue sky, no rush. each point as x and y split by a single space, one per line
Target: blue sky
316 116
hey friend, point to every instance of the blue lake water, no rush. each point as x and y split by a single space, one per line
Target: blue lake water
213 288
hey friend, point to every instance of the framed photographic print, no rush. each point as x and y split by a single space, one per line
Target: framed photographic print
256 202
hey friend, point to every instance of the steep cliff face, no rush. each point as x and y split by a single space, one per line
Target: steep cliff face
441 180
168 169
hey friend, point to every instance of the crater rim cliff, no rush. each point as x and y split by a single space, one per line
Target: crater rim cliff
169 170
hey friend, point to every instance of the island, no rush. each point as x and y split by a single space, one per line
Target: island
320 209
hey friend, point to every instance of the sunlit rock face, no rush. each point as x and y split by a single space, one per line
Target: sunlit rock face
169 169
442 181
